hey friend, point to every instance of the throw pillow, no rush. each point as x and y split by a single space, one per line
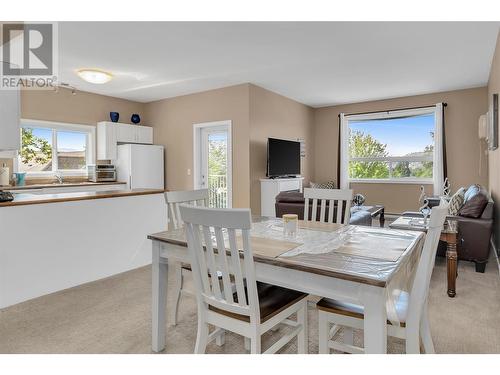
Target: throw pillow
474 207
471 191
322 185
456 202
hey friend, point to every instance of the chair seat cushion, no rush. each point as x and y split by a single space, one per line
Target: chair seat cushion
272 300
357 311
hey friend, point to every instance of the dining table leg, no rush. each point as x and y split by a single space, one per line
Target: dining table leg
375 321
451 266
159 298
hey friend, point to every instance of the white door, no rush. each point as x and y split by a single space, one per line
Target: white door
213 162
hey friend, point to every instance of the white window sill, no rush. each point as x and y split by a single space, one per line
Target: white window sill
67 173
392 181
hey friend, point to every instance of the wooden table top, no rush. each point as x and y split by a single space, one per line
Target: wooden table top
346 252
22 199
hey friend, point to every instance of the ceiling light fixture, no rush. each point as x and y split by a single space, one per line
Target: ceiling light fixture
95 76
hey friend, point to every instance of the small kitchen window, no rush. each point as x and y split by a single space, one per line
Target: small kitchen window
49 148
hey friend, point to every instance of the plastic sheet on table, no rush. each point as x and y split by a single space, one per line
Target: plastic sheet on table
317 250
320 250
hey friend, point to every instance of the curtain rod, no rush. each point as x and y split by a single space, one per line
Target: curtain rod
393 110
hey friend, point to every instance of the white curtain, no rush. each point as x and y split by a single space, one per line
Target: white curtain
344 153
438 165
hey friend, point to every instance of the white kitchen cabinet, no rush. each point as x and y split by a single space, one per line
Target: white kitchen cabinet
109 134
106 141
9 120
144 134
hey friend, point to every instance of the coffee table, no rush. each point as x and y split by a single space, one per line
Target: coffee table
376 210
449 234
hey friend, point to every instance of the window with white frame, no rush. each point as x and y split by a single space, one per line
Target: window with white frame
403 146
52 147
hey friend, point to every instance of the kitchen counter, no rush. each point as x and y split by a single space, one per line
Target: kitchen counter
57 185
74 238
22 199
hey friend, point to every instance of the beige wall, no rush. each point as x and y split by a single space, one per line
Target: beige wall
82 108
257 114
494 156
462 144
273 115
173 121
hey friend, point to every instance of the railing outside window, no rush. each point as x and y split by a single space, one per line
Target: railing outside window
217 191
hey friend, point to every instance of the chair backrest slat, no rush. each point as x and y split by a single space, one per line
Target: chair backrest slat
212 263
200 254
331 203
339 211
314 212
174 198
347 210
219 256
323 209
223 265
306 208
342 198
237 268
420 288
173 215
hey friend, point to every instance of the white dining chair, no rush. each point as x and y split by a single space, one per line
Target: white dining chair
173 200
339 198
219 242
411 309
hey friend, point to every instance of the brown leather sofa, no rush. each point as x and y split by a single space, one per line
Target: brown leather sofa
475 224
292 202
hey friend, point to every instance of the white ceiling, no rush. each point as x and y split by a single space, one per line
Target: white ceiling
312 62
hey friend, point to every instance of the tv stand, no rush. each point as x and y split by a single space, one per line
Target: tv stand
281 177
271 187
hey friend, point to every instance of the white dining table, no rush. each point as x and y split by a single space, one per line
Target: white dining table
321 265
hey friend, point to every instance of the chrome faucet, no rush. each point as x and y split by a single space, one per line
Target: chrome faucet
59 178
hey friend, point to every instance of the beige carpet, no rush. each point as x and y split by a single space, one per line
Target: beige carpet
113 316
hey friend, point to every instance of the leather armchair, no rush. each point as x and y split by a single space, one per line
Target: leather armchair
474 235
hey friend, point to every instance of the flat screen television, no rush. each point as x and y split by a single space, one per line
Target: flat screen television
283 158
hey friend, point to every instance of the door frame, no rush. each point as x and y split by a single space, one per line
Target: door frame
197 128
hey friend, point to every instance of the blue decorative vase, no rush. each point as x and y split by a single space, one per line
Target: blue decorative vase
114 116
135 118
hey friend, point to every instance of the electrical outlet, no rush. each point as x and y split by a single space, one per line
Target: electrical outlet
189 172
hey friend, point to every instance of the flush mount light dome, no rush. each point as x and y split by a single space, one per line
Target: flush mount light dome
95 76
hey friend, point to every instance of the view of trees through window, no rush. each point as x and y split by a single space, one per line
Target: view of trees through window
395 148
217 169
38 150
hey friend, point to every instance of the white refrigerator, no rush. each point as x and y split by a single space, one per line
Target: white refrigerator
140 166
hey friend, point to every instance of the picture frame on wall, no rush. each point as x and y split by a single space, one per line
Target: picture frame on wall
493 123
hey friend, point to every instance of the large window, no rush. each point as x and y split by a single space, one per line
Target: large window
395 146
48 148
